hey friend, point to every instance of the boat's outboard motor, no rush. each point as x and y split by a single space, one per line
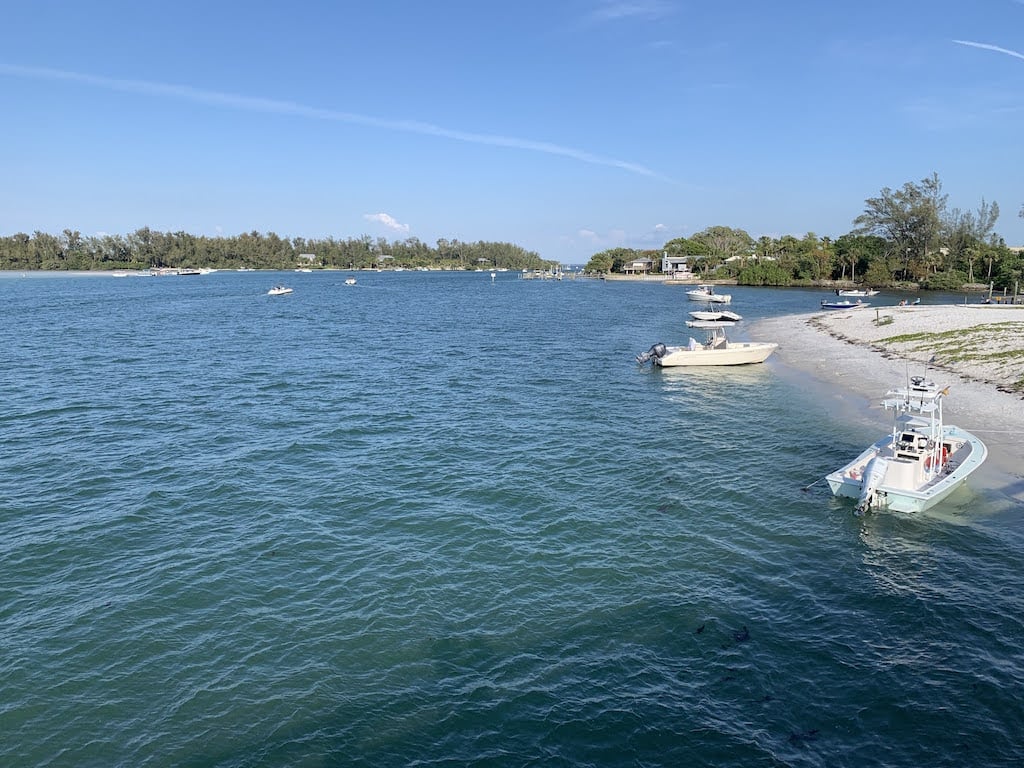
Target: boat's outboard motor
656 351
874 473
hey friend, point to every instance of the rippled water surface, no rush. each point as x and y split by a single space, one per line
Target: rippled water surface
435 519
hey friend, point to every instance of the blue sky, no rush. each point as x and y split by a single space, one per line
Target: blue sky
567 127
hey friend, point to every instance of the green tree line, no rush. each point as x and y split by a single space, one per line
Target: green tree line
146 248
903 236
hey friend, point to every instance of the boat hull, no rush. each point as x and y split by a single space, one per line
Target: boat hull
897 490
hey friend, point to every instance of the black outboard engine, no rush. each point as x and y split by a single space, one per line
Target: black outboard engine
657 351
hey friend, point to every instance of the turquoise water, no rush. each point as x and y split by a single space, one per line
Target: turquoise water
432 519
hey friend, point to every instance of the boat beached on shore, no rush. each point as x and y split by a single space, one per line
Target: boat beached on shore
844 304
716 350
919 463
719 315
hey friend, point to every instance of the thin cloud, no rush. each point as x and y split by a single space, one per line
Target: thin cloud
987 47
387 220
274 106
613 10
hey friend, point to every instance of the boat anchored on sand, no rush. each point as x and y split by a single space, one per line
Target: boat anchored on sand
716 350
716 315
707 293
919 464
844 304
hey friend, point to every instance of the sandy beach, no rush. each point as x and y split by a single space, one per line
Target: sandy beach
977 349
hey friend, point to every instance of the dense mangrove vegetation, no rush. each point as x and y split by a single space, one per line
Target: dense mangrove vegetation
145 249
907 236
910 235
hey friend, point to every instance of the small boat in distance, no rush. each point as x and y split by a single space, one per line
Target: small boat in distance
854 293
919 464
279 290
716 315
707 293
716 350
844 304
350 281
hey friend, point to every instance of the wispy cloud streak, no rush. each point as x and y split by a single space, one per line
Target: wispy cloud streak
613 10
274 106
987 47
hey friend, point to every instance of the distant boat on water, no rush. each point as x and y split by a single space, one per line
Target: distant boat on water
854 293
707 293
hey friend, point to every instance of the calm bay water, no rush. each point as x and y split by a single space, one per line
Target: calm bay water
435 519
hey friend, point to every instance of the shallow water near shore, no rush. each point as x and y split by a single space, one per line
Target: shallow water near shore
436 519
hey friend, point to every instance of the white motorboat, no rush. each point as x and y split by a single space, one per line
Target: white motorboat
919 464
844 304
716 315
716 350
350 281
707 293
854 293
279 290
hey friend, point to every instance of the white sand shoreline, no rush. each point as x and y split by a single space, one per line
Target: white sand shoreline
849 350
